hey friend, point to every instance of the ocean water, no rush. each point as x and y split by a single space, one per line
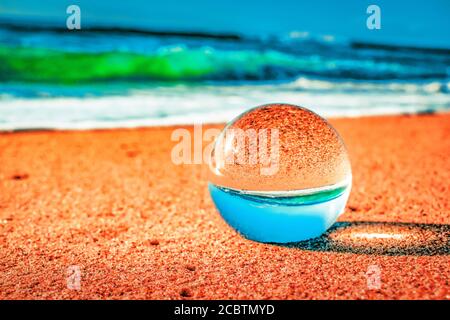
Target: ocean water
104 78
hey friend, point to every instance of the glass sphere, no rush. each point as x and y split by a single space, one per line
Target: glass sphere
280 173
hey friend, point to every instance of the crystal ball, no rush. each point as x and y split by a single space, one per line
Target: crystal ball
279 173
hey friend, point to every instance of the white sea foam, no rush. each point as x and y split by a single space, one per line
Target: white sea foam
214 104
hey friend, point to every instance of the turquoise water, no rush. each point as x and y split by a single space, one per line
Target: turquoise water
281 219
107 78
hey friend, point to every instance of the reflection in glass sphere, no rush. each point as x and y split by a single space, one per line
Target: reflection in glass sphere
280 173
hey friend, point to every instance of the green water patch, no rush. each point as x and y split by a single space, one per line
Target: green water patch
48 65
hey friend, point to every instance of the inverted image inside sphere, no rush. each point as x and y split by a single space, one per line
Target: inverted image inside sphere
285 148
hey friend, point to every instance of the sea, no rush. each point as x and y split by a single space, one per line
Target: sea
52 78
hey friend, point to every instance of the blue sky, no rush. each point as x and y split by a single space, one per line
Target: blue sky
421 22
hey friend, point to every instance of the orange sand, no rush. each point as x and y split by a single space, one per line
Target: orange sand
112 203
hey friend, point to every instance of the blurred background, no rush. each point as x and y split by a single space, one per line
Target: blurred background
140 63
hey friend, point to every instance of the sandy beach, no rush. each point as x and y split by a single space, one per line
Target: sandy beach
139 227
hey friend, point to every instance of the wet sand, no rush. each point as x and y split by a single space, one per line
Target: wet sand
139 227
